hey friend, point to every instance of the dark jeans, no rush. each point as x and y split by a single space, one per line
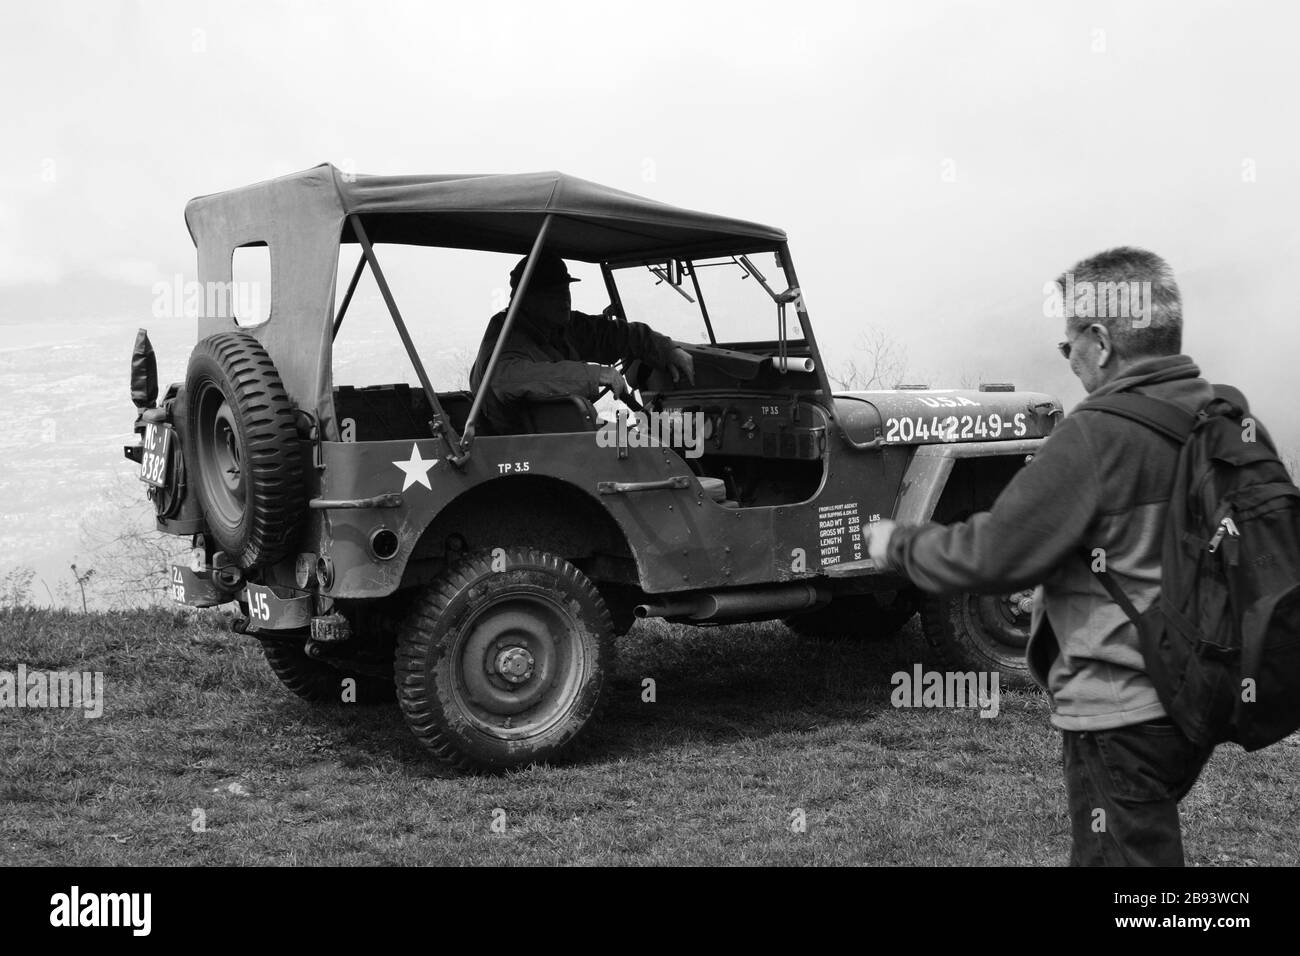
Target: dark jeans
1123 787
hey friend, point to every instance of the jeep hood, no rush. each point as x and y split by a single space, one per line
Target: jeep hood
911 416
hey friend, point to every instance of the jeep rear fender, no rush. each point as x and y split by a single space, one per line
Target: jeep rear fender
537 511
404 487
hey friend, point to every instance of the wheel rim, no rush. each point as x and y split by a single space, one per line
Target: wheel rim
519 668
1003 620
221 458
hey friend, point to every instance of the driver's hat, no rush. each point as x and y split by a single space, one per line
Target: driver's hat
551 273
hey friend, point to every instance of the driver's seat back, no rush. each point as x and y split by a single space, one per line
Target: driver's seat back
562 413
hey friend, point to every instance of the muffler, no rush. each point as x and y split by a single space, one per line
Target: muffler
729 604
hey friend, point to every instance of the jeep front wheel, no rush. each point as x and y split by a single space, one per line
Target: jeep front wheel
503 659
981 632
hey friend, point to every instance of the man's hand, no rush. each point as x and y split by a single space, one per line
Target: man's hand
878 535
610 378
680 363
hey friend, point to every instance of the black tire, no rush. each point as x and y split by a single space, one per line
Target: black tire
501 668
318 682
980 632
621 602
242 451
857 617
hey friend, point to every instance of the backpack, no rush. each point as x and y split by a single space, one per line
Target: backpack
1222 642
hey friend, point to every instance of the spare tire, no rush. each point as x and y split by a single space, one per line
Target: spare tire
241 446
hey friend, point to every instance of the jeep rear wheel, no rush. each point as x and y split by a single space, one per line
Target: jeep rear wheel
241 446
317 681
981 632
503 661
857 617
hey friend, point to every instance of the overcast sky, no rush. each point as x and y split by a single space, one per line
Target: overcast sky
933 163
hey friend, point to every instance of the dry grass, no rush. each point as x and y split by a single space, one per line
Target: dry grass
751 724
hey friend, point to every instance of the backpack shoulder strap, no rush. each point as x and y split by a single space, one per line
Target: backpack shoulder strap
1119 597
1168 419
1161 416
1232 395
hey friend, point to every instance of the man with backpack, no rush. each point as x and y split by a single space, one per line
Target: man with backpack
1094 499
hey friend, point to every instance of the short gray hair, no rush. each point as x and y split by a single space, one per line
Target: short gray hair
1161 333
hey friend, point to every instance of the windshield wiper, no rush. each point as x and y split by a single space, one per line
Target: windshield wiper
663 277
780 298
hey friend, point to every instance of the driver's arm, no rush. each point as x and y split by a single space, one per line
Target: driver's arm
606 340
518 376
523 371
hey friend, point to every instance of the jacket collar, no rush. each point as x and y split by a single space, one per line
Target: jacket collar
1150 371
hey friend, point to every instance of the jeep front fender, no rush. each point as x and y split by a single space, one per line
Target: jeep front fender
927 473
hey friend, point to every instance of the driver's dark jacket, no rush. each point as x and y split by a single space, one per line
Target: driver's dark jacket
544 362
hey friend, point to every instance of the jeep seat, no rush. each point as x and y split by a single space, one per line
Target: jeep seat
395 411
561 413
716 489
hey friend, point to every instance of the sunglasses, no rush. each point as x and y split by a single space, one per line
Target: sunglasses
1065 347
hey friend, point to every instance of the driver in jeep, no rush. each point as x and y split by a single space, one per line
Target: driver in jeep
550 346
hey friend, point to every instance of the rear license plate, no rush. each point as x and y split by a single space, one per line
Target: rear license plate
283 611
195 588
154 455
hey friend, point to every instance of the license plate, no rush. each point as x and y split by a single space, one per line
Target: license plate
271 611
194 588
154 456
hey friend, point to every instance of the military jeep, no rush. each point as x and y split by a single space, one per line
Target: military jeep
379 541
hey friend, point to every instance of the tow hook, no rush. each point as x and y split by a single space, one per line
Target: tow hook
228 578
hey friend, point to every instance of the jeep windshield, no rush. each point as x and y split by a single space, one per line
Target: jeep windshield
723 300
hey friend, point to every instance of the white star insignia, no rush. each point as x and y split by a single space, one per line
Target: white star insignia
416 469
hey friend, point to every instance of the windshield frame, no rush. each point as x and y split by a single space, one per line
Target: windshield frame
792 294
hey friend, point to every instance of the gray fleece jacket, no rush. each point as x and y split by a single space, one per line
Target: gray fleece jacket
1099 481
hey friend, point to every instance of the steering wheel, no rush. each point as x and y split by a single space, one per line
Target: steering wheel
631 370
631 398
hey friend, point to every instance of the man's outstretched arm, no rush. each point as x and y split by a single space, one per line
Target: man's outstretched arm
1041 516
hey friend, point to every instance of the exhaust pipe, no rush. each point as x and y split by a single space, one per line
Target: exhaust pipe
730 604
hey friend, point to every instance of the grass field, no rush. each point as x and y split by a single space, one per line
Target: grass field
751 726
